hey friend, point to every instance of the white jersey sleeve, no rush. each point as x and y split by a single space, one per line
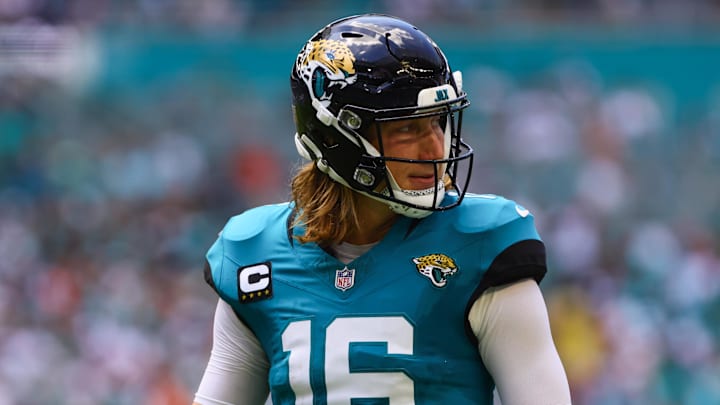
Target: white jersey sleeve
515 342
237 370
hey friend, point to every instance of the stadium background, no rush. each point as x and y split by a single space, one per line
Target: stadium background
130 131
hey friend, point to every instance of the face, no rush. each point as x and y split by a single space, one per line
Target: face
418 139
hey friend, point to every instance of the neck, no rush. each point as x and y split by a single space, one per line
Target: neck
376 220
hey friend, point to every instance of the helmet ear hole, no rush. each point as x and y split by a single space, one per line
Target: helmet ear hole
328 142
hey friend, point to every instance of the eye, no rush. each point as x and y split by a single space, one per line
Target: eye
402 126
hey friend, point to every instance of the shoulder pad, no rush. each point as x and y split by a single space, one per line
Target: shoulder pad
253 221
237 245
481 212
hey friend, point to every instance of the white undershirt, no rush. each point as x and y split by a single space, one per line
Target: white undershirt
510 322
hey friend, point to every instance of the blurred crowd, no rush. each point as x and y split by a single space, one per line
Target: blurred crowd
628 201
109 200
243 15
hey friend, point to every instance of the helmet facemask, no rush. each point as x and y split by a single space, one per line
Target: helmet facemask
415 202
372 176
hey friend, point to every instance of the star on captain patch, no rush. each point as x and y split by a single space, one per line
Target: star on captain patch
344 279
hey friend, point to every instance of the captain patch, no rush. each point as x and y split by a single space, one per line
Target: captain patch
254 282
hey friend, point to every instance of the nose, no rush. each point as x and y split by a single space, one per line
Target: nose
431 141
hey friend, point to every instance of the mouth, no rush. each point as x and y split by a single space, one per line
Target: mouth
419 182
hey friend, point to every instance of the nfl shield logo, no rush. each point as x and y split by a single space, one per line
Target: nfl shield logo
344 279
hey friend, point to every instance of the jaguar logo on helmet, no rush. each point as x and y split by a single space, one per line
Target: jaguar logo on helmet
324 64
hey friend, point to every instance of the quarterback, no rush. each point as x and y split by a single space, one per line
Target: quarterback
383 281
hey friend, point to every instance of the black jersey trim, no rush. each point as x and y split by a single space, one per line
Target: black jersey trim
524 259
207 273
289 226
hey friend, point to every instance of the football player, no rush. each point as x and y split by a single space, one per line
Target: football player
382 281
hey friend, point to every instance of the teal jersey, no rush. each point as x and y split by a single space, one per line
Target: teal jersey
389 327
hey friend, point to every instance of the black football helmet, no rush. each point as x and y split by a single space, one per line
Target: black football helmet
360 71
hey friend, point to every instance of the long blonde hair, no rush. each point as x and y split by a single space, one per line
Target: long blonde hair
326 208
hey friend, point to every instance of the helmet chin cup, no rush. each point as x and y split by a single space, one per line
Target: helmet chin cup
422 200
409 212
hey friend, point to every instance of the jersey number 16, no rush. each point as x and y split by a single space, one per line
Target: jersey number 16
342 384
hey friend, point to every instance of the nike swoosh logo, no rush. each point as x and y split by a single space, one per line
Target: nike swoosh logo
521 211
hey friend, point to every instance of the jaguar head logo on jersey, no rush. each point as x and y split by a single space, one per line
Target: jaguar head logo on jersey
437 267
324 64
254 282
